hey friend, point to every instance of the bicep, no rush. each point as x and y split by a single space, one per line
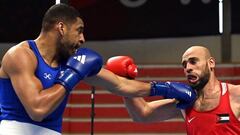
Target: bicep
26 86
20 66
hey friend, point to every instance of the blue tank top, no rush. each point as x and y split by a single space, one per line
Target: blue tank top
12 109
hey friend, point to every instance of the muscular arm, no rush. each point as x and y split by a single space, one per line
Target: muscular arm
119 85
137 107
159 110
19 64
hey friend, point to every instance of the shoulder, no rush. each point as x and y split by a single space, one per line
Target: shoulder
234 90
20 52
18 57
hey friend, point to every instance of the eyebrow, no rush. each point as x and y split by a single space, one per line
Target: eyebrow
183 63
193 58
80 29
190 59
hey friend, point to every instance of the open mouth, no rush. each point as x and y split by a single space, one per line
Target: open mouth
192 78
74 49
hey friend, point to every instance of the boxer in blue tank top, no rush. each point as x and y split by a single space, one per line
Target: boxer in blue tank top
12 108
36 76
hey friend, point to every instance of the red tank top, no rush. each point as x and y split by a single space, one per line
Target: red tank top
219 121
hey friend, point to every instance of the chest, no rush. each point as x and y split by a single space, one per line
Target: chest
206 104
212 123
216 110
46 74
217 115
213 120
220 104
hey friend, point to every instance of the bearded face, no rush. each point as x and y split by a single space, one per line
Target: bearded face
65 49
203 79
70 41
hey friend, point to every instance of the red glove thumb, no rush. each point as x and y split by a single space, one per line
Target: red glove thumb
122 66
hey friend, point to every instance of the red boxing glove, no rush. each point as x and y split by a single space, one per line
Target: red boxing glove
122 66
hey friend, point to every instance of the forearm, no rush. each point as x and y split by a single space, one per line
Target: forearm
137 108
41 103
159 110
134 88
119 85
50 99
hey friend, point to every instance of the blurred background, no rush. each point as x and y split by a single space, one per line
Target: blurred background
154 32
136 27
159 27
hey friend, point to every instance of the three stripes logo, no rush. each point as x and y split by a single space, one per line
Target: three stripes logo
80 58
189 93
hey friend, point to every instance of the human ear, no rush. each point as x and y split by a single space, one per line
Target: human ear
60 27
212 62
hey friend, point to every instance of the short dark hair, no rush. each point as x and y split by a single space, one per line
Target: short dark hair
59 12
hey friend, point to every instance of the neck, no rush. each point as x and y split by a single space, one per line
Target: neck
211 89
46 43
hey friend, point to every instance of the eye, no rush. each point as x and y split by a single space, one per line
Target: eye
184 64
193 61
80 30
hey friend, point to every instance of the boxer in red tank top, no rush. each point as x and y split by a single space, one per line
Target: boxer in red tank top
216 110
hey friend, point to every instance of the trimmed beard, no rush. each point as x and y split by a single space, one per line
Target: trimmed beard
203 80
63 53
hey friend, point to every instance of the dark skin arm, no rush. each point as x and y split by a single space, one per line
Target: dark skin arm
119 85
137 107
19 64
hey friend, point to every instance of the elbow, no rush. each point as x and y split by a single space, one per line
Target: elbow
144 117
141 118
37 115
